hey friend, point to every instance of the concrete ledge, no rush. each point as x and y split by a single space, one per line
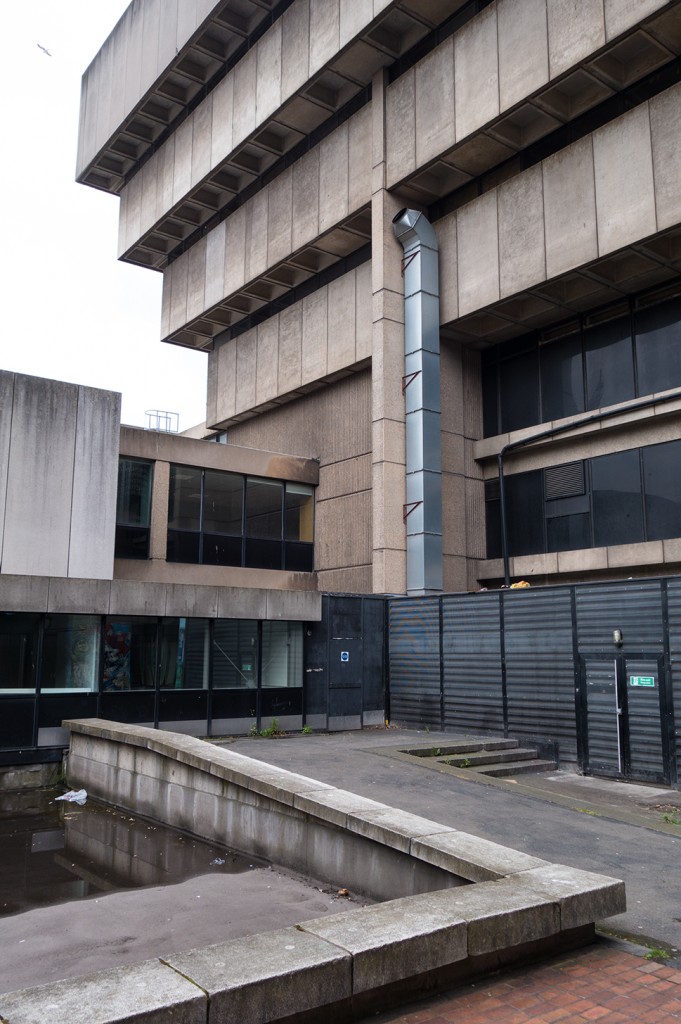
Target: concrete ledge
456 905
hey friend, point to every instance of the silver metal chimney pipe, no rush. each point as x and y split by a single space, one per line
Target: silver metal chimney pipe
421 385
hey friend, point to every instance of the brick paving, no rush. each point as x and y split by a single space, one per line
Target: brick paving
599 983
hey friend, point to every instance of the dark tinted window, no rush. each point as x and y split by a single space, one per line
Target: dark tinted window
223 502
264 508
562 379
18 650
133 509
609 363
616 498
662 486
184 503
525 512
519 391
658 347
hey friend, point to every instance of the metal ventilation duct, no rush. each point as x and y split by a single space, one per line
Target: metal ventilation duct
421 385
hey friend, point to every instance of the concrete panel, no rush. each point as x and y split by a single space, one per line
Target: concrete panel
194 602
133 211
570 208
235 250
134 598
665 129
397 939
338 549
305 199
324 32
295 47
445 230
290 345
132 82
623 14
523 49
166 176
478 253
522 259
341 323
625 199
202 123
196 279
279 217
149 195
186 22
268 75
214 248
333 178
363 300
223 108
77 596
314 340
355 15
289 968
359 159
166 296
167 40
576 30
400 127
242 603
294 605
476 64
256 235
244 97
6 398
182 174
40 477
95 484
148 993
160 500
226 381
245 370
151 30
267 351
434 102
24 593
178 294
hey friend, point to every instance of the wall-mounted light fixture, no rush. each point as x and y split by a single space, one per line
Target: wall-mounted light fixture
617 637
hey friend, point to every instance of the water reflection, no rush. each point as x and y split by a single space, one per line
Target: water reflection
56 852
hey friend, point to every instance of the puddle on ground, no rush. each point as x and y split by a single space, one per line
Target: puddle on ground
58 852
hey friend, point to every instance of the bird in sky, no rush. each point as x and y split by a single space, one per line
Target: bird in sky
44 49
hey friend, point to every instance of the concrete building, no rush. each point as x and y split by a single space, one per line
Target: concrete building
432 249
261 150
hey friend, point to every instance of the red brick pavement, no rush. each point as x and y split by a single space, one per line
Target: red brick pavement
599 983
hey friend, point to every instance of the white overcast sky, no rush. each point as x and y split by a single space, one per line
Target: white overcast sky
71 311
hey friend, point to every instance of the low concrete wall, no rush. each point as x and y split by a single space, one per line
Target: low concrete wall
436 928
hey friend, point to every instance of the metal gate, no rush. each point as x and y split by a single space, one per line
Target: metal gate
623 708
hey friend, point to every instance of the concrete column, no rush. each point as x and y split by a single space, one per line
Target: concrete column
389 544
158 538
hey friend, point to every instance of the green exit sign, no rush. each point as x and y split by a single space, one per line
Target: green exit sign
641 680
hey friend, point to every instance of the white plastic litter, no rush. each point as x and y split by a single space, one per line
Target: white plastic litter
74 796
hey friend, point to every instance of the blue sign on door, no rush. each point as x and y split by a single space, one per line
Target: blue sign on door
345 655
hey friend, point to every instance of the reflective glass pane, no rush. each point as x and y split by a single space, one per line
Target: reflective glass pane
220 550
662 486
70 658
519 391
562 381
235 654
18 650
184 499
182 547
129 653
223 502
263 554
264 508
299 512
525 513
282 654
616 499
609 361
133 503
568 533
132 541
658 347
184 654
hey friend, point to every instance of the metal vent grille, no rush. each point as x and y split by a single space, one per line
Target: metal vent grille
564 481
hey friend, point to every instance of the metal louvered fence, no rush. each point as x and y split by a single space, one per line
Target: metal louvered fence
593 670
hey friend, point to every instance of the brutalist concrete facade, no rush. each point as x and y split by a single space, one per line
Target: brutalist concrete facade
261 150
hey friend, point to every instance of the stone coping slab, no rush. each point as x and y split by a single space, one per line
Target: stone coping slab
502 904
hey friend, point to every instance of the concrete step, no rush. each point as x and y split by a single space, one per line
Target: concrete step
490 757
461 748
515 767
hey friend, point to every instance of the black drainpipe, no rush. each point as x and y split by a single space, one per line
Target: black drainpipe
595 417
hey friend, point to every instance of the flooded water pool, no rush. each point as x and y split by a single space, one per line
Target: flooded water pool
53 852
87 888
